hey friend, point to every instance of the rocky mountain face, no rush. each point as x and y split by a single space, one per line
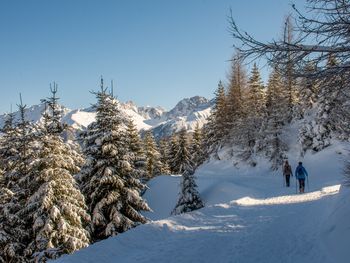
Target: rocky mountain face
186 114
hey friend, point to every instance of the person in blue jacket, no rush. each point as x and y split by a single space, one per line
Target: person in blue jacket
300 174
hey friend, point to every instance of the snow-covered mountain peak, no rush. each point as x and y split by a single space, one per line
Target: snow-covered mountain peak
185 114
187 106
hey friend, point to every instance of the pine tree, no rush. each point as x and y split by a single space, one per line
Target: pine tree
56 207
107 179
153 163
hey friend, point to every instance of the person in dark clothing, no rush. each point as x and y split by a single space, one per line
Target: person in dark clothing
287 172
300 174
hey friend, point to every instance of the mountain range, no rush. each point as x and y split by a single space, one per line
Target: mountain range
186 114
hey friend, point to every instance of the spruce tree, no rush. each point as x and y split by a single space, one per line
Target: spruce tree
136 151
18 151
234 102
172 152
189 199
275 147
249 134
164 155
56 207
217 129
197 151
108 180
182 157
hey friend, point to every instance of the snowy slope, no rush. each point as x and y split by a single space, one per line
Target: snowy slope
186 114
249 217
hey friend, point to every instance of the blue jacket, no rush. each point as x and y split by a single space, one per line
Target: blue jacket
300 172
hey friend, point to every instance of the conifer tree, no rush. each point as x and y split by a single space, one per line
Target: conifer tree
182 159
273 124
153 163
107 179
164 156
56 207
217 128
189 199
17 153
172 152
197 152
234 101
253 105
136 152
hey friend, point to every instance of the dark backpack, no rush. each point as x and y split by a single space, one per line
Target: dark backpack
300 172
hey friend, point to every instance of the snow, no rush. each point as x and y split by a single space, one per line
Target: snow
249 217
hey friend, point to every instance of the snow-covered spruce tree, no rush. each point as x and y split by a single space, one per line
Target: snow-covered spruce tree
308 89
107 180
182 158
274 146
52 117
56 206
197 151
153 163
136 151
217 129
253 108
189 198
331 112
164 155
17 154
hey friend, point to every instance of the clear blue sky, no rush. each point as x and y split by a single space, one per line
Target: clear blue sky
156 51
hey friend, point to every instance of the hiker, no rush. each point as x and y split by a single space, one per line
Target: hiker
300 174
287 172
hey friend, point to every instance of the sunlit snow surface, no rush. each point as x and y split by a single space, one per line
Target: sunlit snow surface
249 217
288 199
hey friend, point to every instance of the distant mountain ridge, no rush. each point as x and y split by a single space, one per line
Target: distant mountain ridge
186 114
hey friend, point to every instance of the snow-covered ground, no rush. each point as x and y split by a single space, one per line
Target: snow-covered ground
249 217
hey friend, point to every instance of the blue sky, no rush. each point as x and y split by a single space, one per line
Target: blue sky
156 51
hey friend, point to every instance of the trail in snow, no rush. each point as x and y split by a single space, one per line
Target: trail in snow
288 199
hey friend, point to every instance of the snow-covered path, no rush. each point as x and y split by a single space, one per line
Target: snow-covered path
247 218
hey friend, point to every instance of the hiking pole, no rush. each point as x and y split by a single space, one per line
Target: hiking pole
296 185
307 181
